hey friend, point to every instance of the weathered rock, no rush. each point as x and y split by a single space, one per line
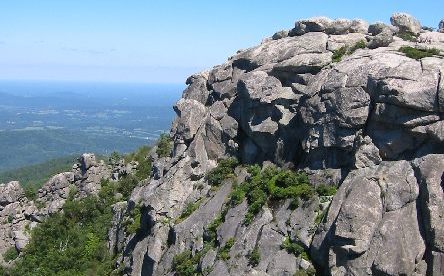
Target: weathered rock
347 40
367 154
378 28
437 263
279 50
10 192
87 160
20 239
315 24
441 26
304 63
430 170
197 88
280 34
353 123
382 39
116 233
191 113
406 23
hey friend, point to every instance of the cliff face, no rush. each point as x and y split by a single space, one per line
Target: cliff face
355 107
340 100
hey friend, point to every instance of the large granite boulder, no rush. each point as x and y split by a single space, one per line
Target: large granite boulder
406 23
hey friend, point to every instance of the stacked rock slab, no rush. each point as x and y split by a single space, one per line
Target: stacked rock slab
370 122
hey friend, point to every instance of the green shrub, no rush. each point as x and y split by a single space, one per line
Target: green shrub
417 54
127 184
324 190
309 272
114 158
184 264
189 209
292 247
407 36
237 195
224 170
320 217
164 145
136 216
344 50
359 45
254 257
30 192
339 53
224 252
211 231
72 242
10 254
270 184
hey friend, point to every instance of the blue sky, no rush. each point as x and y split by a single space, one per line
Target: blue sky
158 41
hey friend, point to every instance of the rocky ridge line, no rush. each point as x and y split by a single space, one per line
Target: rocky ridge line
369 120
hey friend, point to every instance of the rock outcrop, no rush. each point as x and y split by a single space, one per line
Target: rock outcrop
18 214
336 99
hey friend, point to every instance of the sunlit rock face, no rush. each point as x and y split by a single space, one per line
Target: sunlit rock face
337 99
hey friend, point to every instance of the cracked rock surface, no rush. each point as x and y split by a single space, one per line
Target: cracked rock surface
370 122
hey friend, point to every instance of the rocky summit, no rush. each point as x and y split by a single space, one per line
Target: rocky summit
319 151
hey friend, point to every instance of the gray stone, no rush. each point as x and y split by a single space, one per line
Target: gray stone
398 228
197 88
208 260
441 26
366 154
304 63
116 233
358 26
406 23
383 39
437 263
378 28
347 40
315 24
392 114
282 263
418 93
10 192
431 171
191 113
220 268
87 160
280 34
20 239
279 50
360 214
339 27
